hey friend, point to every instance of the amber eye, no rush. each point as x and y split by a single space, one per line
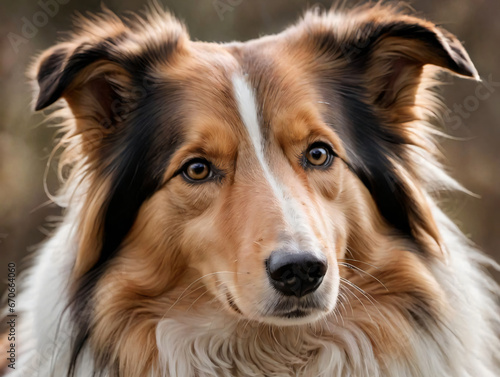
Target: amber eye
197 170
319 155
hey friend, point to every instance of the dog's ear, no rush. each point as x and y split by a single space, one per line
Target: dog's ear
407 40
91 77
101 71
388 47
393 54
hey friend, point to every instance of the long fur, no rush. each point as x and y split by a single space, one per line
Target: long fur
148 275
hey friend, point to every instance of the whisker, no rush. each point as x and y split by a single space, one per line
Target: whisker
337 311
348 265
359 261
365 294
200 296
361 291
361 302
326 322
369 297
194 282
344 298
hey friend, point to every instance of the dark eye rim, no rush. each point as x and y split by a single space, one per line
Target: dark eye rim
328 163
213 175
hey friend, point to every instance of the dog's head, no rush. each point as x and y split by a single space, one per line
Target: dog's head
252 168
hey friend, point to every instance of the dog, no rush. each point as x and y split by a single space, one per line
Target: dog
260 208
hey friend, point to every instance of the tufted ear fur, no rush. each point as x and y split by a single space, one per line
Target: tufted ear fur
389 47
370 61
95 80
395 52
101 70
95 85
89 79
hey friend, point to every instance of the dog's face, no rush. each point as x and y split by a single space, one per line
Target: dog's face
254 191
251 195
252 168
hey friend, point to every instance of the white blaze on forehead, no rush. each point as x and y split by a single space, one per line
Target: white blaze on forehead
248 112
296 220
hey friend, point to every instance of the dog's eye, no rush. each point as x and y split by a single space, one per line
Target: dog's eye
198 170
319 155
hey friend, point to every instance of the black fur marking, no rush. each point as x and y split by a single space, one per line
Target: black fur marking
134 157
370 146
138 160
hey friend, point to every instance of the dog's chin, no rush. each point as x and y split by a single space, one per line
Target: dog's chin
294 317
280 310
288 311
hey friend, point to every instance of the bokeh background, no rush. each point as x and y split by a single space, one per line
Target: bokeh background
29 26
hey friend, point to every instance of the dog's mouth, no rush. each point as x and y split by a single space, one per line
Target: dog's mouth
305 309
285 311
297 313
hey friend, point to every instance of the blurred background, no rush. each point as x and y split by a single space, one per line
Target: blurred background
29 26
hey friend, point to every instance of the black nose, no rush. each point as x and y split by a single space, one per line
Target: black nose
295 274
